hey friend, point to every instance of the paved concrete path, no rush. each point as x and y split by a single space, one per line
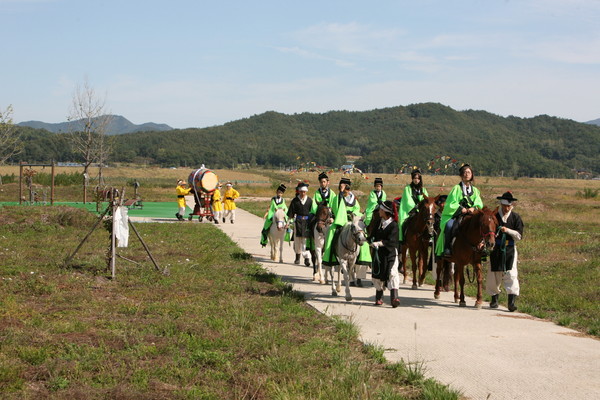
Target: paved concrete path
487 354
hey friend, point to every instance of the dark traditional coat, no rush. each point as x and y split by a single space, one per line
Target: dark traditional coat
385 256
503 255
300 213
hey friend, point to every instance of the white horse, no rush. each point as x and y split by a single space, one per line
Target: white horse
351 237
321 227
276 234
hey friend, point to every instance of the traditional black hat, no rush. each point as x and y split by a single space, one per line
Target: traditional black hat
281 188
346 181
378 181
387 206
508 197
415 172
441 199
323 175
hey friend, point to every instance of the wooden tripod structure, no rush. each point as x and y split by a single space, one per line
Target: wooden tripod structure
116 202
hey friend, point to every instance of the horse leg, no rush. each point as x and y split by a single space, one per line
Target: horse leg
456 286
273 247
281 249
413 260
438 281
423 253
404 269
334 288
479 274
319 264
347 267
461 274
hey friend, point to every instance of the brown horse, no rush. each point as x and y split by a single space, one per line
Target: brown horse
319 231
419 231
475 237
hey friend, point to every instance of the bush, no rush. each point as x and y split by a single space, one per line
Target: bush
588 193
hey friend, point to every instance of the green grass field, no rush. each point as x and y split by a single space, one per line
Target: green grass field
218 326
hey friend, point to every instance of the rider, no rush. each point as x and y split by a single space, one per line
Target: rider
276 202
323 193
299 211
376 197
463 198
182 191
503 260
385 256
342 209
411 196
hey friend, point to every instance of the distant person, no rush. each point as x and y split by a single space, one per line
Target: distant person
411 196
385 256
504 257
229 202
463 199
276 202
299 212
376 197
217 204
182 191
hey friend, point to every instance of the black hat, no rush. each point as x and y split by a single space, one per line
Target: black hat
387 206
415 172
506 197
441 199
281 188
323 175
346 181
378 181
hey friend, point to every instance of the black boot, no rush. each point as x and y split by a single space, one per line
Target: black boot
297 260
494 302
307 261
359 282
394 298
378 297
179 217
511 302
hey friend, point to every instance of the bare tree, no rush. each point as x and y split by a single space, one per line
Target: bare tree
90 121
10 143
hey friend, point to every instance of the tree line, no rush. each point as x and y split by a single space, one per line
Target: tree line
382 140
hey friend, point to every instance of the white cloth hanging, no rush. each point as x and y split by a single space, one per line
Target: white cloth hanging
121 226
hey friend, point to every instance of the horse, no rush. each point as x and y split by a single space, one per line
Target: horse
475 237
320 228
277 233
419 231
351 237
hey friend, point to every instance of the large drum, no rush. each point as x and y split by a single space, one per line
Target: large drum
203 180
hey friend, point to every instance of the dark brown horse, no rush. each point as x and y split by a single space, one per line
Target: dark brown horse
475 237
419 231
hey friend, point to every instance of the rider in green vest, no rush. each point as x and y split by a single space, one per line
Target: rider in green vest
323 193
276 202
463 198
411 196
345 205
376 197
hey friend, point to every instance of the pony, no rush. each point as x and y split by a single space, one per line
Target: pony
320 228
419 231
351 237
476 237
277 233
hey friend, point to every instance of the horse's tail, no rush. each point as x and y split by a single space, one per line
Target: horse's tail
395 207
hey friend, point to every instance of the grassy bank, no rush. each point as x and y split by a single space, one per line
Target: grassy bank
217 327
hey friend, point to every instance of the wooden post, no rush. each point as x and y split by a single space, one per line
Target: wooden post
68 259
113 240
20 182
52 188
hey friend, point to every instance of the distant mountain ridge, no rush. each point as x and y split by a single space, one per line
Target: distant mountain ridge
594 122
118 126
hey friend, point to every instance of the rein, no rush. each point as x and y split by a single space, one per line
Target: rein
353 233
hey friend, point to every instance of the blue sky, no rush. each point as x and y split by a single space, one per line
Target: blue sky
203 63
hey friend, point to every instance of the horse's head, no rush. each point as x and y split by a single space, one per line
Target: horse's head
322 217
487 227
427 208
279 219
358 229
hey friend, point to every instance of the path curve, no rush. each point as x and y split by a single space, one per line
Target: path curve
487 354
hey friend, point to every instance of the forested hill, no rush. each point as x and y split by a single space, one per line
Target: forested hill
384 139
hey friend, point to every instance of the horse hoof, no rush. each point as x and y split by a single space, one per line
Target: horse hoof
338 289
478 305
280 261
462 304
456 300
349 298
436 296
334 293
322 282
404 281
414 286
